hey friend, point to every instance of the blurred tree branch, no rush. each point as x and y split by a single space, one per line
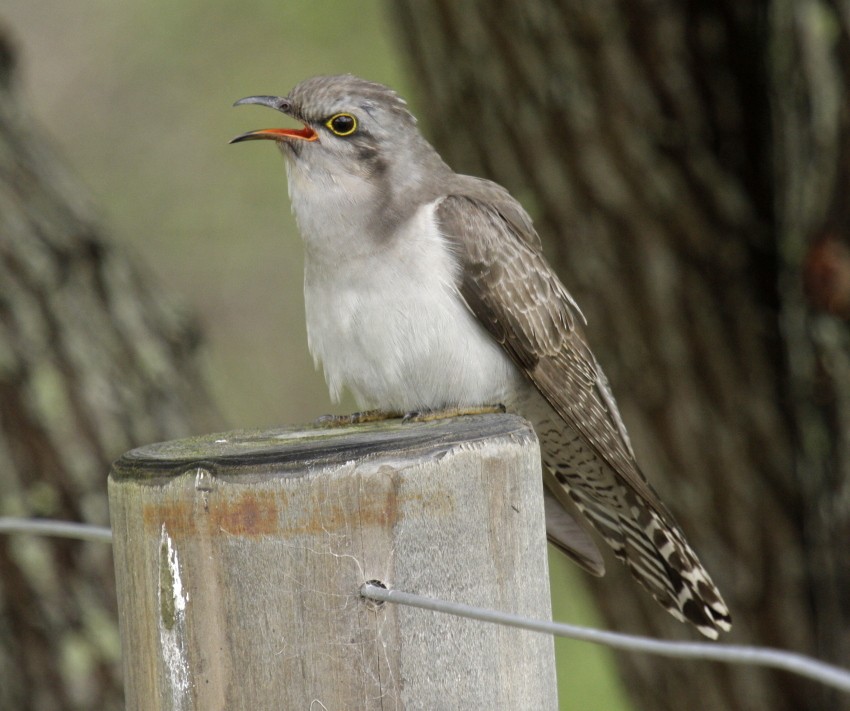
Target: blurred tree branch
93 361
687 166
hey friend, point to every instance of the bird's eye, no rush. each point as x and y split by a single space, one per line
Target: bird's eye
342 124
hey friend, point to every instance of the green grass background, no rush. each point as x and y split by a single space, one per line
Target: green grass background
137 97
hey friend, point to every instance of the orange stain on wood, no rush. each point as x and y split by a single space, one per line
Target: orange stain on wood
248 514
282 514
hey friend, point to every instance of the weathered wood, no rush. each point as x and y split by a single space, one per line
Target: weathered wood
239 557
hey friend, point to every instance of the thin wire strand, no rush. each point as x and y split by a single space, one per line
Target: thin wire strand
727 653
60 529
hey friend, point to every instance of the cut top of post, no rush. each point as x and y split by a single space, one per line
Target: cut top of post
293 448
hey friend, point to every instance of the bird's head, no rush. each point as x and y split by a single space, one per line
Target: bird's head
358 158
350 125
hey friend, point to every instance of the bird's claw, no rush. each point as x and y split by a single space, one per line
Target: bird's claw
428 415
355 418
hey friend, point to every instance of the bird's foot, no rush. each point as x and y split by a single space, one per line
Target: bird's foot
447 412
356 418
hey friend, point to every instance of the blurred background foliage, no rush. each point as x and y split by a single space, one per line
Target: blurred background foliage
137 96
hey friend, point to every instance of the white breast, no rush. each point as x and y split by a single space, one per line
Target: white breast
389 325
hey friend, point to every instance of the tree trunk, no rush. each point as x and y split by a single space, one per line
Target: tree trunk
687 165
93 361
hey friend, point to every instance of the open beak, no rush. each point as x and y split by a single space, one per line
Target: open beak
274 134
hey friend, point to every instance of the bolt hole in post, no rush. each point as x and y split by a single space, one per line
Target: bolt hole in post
377 584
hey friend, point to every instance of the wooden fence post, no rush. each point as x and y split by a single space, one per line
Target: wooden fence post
239 558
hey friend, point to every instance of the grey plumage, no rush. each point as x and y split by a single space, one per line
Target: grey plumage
477 317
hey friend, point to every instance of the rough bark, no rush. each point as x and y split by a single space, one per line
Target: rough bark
687 165
93 361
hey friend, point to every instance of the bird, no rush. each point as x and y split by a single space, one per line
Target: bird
427 291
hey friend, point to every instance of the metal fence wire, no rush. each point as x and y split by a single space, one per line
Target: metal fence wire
792 662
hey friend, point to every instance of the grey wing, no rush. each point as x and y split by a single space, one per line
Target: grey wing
513 291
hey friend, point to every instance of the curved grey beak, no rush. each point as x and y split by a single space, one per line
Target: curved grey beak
273 102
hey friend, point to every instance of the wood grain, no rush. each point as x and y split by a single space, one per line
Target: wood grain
239 558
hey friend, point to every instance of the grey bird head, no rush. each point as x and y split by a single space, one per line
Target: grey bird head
357 134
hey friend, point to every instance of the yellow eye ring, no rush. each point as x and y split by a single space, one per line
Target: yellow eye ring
342 124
